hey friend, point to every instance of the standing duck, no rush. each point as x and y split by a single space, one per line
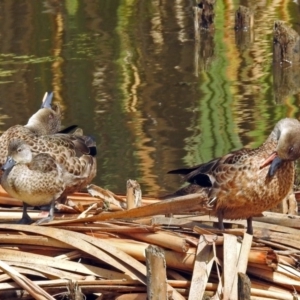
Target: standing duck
36 180
74 152
246 182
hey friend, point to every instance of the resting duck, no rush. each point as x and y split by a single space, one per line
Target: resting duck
246 182
74 152
36 180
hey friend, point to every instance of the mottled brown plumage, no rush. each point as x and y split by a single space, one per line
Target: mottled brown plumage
75 152
36 180
244 183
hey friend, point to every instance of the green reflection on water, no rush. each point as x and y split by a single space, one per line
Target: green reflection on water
216 134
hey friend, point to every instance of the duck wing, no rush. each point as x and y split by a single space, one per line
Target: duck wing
43 162
199 174
206 174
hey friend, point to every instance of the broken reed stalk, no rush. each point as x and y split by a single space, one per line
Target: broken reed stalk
156 273
202 268
134 194
34 290
136 249
230 267
169 206
163 239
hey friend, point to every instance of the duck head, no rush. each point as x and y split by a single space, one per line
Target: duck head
47 119
18 152
287 135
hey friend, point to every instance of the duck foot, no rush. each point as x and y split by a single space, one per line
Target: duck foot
26 220
44 220
50 216
220 221
249 226
25 217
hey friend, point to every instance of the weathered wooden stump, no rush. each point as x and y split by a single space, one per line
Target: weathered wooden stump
286 44
156 273
205 14
244 287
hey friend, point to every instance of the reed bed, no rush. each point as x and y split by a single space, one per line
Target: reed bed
97 249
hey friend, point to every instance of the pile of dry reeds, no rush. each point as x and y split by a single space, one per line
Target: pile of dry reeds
96 249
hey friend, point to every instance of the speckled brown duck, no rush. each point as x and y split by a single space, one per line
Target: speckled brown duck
36 180
74 152
246 182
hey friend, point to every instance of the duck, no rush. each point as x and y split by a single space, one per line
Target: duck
244 183
73 150
76 153
34 179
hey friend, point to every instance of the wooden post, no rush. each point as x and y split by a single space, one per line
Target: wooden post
286 44
156 273
206 14
244 287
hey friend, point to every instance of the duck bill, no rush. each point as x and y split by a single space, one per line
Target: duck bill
47 100
275 161
268 160
275 164
10 162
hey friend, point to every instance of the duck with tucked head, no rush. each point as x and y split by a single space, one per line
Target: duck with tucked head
246 182
74 151
36 180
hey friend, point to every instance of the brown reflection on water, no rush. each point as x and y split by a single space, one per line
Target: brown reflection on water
130 73
57 65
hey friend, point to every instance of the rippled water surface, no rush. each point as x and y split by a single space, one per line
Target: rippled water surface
131 74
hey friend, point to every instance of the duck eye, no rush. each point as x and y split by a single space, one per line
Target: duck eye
19 150
291 150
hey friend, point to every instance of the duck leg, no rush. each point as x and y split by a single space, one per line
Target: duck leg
220 220
249 226
50 216
25 217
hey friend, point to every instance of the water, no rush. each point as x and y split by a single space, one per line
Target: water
130 73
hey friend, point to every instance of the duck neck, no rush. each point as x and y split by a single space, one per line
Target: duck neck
36 127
